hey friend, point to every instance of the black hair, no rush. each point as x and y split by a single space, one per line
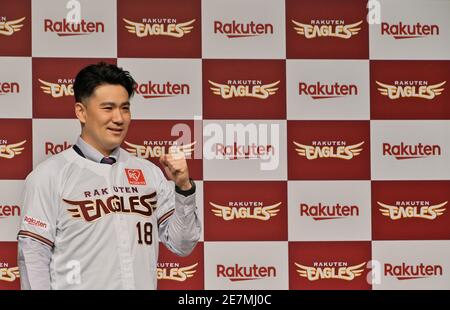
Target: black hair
100 74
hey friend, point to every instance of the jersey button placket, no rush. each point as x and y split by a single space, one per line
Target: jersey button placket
124 246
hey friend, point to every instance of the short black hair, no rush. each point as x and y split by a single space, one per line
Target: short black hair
100 74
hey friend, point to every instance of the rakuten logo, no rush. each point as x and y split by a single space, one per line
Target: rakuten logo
410 272
9 210
235 151
240 30
321 212
406 151
9 88
326 91
245 273
405 31
152 90
35 222
64 28
52 149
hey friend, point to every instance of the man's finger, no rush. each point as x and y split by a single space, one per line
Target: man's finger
163 160
176 153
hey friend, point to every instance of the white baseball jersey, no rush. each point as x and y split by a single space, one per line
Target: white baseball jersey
104 222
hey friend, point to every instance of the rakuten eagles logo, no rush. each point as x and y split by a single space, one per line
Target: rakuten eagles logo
328 149
62 88
64 28
154 149
327 28
327 91
241 30
244 88
412 272
330 270
406 151
92 209
7 273
169 27
411 89
245 210
174 272
152 90
9 151
412 209
408 31
245 273
320 212
8 28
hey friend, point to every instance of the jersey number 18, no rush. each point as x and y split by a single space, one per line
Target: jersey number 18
146 231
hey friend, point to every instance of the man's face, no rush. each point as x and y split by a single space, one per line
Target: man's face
106 117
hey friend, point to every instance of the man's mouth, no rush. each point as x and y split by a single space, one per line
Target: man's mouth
116 130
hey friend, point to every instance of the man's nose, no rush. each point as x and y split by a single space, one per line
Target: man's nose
117 116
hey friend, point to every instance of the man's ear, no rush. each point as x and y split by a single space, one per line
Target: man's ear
80 112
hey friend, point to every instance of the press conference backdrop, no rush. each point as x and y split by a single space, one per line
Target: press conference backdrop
319 139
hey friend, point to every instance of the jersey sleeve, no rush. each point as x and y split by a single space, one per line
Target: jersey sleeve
165 196
40 207
178 221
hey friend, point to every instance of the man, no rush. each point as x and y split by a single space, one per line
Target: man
93 214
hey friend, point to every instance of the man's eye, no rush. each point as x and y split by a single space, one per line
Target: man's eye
126 108
107 108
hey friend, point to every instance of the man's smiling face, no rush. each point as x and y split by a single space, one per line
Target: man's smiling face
105 116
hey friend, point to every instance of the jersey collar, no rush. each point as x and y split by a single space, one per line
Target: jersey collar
92 153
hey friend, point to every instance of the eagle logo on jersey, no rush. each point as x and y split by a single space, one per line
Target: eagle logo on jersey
340 152
171 30
258 213
257 91
149 151
319 273
176 274
9 274
135 176
11 150
339 31
407 91
10 27
56 90
399 212
92 210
